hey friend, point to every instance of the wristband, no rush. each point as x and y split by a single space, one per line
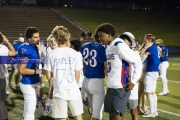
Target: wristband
38 71
41 85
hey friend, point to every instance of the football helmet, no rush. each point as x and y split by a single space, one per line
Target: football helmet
44 106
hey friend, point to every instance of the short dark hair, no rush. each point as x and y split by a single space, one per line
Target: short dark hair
96 37
30 31
126 37
76 43
107 28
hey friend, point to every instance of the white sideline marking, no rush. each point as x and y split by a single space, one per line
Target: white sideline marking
172 69
175 64
172 81
171 113
164 111
174 59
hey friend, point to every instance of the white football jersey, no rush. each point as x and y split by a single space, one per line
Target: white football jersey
3 67
63 62
118 53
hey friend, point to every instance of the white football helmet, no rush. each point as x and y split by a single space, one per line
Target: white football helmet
44 107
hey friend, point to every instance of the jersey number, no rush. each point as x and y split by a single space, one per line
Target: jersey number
65 74
92 59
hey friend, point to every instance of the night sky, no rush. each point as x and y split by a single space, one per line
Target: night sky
171 2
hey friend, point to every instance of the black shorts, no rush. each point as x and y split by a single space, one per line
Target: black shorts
115 101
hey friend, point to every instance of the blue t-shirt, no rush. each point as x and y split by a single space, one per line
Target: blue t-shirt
165 50
30 51
153 59
94 57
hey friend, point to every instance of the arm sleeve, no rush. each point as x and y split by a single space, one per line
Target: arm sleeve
78 61
130 56
24 52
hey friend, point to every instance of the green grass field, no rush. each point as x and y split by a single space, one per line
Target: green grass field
162 25
170 103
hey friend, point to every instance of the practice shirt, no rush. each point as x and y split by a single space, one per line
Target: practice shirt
153 59
94 57
81 72
63 62
165 50
3 67
117 52
30 52
48 50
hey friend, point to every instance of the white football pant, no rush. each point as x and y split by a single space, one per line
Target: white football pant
30 98
163 71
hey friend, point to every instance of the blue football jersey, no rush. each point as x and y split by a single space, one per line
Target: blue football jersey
16 46
94 57
165 50
30 51
153 59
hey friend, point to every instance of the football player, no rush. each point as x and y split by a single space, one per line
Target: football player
119 55
152 54
164 64
94 71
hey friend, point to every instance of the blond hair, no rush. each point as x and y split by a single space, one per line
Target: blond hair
61 34
159 41
49 37
150 37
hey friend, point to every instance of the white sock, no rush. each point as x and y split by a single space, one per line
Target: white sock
155 102
151 103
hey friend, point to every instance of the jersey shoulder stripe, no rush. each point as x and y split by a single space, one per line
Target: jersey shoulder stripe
86 44
116 43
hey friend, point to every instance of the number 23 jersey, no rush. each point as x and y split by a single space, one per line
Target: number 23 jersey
94 57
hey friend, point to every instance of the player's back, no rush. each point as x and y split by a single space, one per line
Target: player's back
153 60
16 46
94 58
165 57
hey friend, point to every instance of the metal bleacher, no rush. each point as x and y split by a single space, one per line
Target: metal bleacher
15 19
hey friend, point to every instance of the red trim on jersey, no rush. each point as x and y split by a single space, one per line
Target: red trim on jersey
124 72
122 75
